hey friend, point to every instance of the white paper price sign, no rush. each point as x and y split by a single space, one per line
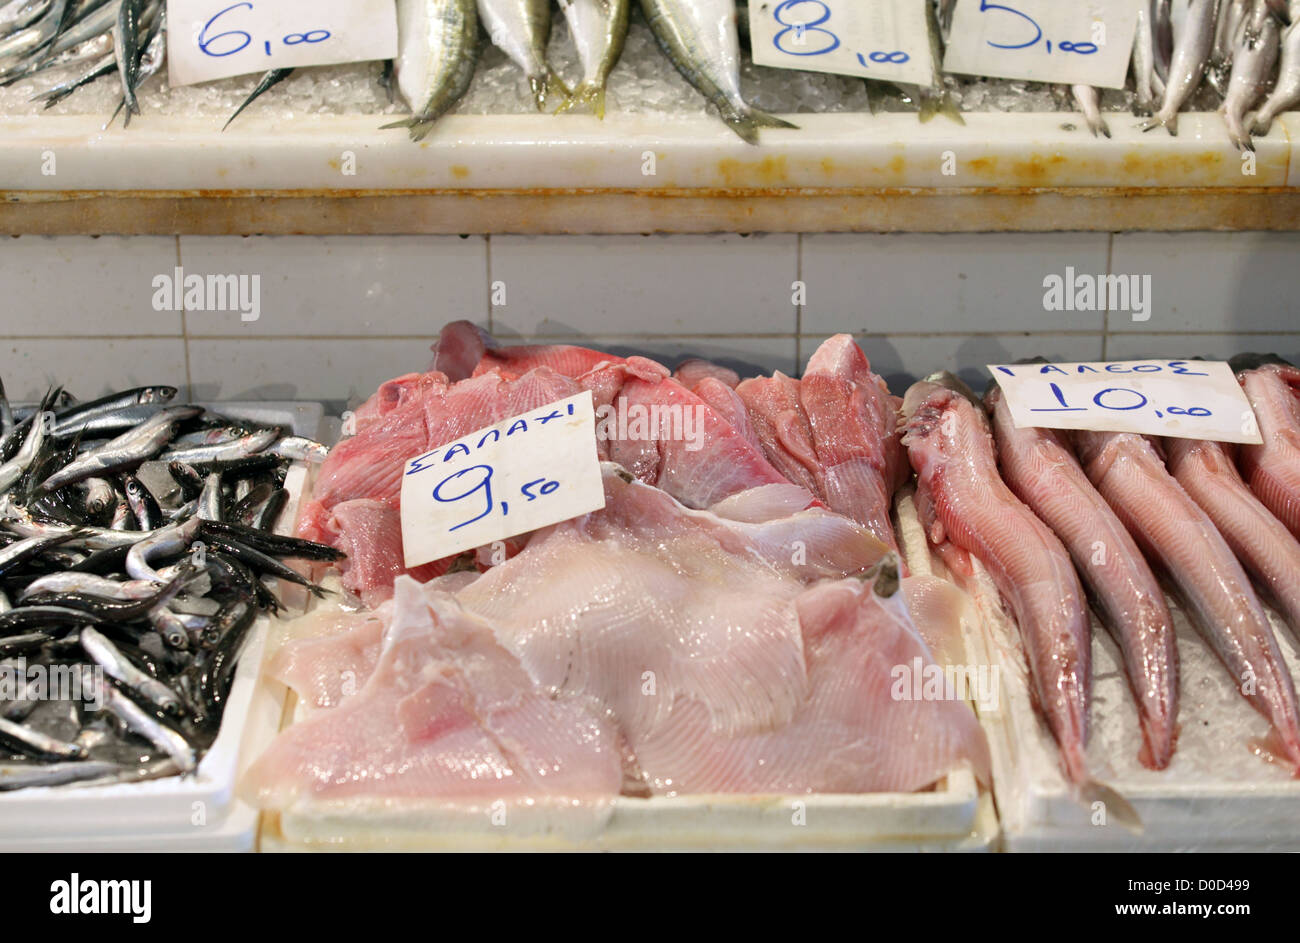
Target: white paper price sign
1186 399
882 39
523 473
213 39
1088 42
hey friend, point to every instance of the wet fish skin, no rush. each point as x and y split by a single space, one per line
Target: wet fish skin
1182 543
599 29
520 29
1260 541
1286 93
1187 67
126 50
242 447
963 500
1272 469
699 37
1148 85
1254 55
135 719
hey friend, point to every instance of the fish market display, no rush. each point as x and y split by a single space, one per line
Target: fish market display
1237 56
716 628
966 508
1181 541
135 534
1038 465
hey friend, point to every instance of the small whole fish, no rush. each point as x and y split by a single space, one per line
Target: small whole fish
242 447
105 654
437 54
1254 56
963 502
1286 93
1261 542
34 743
599 29
269 80
127 450
1148 84
699 37
1187 67
520 29
1042 471
1180 540
1273 469
126 50
135 719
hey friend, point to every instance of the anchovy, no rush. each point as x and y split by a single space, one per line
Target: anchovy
20 43
159 734
1148 83
114 403
300 448
126 50
13 469
209 508
271 510
1186 69
262 562
32 742
242 447
19 552
699 37
143 504
105 654
127 450
172 539
274 544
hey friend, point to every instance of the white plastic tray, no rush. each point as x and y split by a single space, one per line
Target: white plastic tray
198 812
956 816
1214 796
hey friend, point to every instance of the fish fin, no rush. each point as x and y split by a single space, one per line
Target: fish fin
1260 124
746 123
588 93
1115 806
419 125
1170 124
546 86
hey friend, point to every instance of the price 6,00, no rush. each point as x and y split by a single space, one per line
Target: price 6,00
218 45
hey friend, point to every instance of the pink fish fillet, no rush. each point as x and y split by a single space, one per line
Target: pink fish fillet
447 714
692 371
1043 472
370 533
854 422
853 734
728 404
783 429
1273 469
1183 543
647 601
963 500
335 660
464 350
1260 541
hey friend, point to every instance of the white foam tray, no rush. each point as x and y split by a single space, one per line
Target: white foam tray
195 813
1214 796
957 815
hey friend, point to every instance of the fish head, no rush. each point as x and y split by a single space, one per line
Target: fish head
156 394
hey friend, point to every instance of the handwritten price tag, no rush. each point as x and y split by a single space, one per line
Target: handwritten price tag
886 39
214 39
518 475
1186 399
1088 42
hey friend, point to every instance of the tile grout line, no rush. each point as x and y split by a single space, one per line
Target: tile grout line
798 309
185 332
487 259
1105 315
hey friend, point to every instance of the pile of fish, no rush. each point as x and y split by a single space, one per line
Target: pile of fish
1245 53
135 534
1060 519
732 620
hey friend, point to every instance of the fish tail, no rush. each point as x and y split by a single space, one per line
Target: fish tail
587 93
939 102
547 86
419 126
1158 120
746 122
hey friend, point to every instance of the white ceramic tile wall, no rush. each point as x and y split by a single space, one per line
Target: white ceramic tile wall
339 314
